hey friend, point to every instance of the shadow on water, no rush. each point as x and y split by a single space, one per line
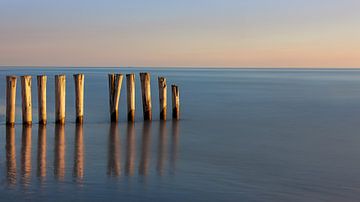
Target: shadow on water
165 149
10 156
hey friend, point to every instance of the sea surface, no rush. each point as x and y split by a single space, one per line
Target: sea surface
244 135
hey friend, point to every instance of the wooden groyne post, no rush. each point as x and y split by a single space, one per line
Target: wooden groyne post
79 97
41 86
115 82
26 100
175 102
60 98
146 95
162 97
130 89
10 99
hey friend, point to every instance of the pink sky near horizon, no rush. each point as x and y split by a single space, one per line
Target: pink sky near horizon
204 33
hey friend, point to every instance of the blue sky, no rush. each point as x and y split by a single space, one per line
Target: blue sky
229 33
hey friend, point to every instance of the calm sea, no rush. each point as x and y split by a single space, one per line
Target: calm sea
244 135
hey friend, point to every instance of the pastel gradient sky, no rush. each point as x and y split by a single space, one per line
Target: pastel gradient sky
210 33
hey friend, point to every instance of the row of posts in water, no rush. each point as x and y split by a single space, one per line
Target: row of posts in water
115 83
113 156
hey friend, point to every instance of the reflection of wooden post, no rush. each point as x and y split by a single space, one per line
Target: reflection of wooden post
162 150
174 145
130 150
162 97
130 86
146 95
79 153
26 100
114 151
175 102
145 149
79 97
59 159
60 95
115 81
41 153
10 99
10 155
41 86
26 155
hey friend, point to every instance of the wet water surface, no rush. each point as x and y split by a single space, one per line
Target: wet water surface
244 135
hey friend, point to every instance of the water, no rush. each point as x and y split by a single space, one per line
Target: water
245 135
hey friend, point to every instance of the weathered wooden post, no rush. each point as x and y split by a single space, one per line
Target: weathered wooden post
146 95
26 100
115 82
130 87
162 97
175 102
60 95
41 86
79 97
10 99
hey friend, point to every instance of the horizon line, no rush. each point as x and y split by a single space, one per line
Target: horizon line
190 67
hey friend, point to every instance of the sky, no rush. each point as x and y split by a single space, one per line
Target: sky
181 33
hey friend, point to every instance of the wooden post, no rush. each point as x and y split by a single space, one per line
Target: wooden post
26 100
41 86
130 87
175 102
162 97
10 99
79 97
115 82
146 95
60 95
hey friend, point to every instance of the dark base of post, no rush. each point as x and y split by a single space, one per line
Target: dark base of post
28 123
114 117
175 114
61 122
79 119
147 116
131 116
42 122
10 124
163 115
